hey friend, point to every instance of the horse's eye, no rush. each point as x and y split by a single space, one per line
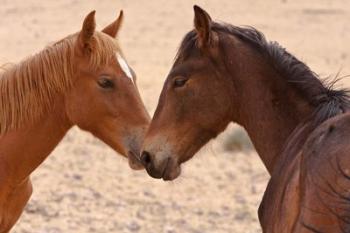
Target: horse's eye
106 83
179 82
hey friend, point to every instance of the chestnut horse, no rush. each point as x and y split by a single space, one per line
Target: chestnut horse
81 80
299 126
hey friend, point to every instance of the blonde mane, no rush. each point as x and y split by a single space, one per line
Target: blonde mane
28 89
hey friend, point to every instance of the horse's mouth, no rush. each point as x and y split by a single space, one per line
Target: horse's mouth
166 172
165 168
171 170
134 161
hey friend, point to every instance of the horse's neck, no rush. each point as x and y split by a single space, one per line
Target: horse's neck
23 150
270 110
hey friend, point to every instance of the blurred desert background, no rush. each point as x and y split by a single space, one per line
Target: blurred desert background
85 187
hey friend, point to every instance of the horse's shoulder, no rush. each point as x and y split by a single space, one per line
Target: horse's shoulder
324 175
335 128
328 142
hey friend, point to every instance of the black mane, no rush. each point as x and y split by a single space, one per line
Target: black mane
328 101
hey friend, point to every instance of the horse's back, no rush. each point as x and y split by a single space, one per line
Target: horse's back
325 178
310 192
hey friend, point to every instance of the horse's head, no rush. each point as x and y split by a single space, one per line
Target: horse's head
194 105
104 98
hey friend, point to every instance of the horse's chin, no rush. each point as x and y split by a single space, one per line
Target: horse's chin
171 173
134 162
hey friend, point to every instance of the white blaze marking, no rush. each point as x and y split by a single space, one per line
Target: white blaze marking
124 66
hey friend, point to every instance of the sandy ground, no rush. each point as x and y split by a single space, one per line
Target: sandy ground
85 187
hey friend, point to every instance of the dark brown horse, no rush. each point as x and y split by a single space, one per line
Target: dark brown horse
299 126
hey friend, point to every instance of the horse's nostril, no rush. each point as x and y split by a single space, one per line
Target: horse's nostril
146 158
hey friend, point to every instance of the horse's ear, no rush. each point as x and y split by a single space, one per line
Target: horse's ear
202 24
114 27
85 38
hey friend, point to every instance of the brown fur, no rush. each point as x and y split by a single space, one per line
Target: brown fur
27 88
297 124
76 81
